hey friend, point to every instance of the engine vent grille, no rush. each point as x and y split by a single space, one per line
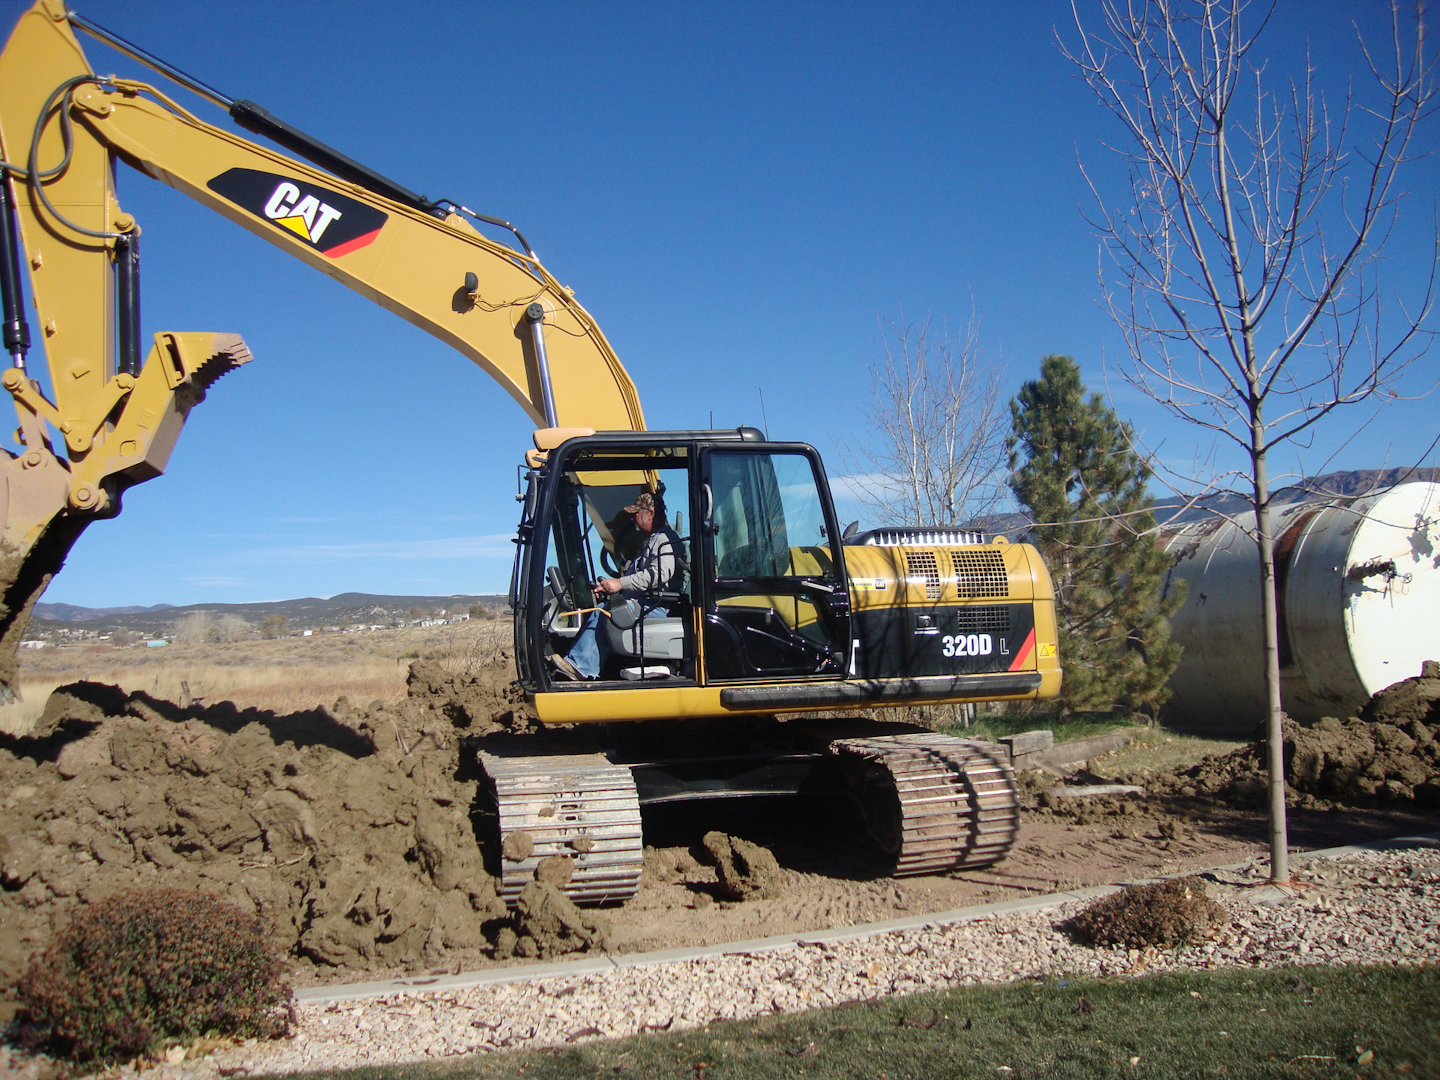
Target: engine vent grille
917 536
923 564
980 574
982 620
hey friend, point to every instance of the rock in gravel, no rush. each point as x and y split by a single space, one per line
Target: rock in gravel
746 871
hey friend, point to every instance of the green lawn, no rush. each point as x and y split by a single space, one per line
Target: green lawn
995 725
1297 1022
1077 727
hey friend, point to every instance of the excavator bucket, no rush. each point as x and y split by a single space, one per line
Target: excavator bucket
113 420
48 500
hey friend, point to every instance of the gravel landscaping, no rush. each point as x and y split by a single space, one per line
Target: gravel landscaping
1365 908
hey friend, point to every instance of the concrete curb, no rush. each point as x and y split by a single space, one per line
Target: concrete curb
431 984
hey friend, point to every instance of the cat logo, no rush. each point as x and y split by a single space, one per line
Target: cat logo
333 223
307 217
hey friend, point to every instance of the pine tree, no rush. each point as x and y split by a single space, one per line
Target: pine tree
1073 471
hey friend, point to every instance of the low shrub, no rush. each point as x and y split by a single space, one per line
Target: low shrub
1176 912
150 965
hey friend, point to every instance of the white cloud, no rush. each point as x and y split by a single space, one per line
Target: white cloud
865 486
497 546
217 581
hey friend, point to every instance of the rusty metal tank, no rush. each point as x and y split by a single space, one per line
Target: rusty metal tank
1358 585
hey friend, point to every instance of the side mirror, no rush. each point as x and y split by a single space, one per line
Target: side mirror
529 499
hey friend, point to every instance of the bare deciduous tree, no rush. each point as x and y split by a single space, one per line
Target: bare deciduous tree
194 628
935 453
1243 267
203 627
232 627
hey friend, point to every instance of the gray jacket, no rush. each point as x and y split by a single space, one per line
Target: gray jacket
656 566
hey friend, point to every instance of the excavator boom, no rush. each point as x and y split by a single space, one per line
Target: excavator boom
62 130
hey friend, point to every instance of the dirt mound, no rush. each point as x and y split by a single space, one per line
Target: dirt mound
349 828
1407 700
667 866
478 703
1163 914
548 924
746 871
1389 752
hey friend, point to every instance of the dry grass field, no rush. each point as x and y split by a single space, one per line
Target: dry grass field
285 675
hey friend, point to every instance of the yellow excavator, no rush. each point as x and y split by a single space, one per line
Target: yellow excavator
769 610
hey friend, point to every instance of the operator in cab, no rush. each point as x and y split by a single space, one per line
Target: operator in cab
654 569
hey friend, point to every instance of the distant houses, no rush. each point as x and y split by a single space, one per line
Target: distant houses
229 626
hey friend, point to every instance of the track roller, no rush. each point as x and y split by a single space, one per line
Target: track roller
937 803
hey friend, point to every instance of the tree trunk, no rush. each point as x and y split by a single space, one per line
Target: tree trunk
1274 734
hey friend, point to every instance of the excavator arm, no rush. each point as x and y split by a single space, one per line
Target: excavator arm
62 130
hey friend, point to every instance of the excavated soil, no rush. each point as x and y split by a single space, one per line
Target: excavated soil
352 829
743 870
1388 755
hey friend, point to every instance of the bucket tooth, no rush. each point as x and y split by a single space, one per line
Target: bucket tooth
229 352
46 502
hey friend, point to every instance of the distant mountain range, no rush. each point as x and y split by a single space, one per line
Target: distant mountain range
74 613
346 609
1359 481
1343 484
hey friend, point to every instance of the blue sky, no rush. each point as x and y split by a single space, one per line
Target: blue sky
736 192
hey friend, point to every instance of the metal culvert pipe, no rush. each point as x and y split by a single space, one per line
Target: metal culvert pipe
1358 587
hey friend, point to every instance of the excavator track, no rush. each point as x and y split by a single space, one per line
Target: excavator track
958 806
578 805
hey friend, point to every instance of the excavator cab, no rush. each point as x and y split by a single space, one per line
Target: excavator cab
592 536
758 593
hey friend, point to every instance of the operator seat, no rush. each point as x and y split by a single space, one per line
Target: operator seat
662 631
656 636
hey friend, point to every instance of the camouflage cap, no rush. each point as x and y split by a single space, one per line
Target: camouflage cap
643 501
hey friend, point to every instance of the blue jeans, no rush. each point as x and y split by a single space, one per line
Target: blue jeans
591 649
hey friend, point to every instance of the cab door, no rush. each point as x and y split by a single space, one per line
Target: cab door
773 592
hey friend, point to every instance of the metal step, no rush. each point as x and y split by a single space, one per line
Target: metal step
568 802
959 806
